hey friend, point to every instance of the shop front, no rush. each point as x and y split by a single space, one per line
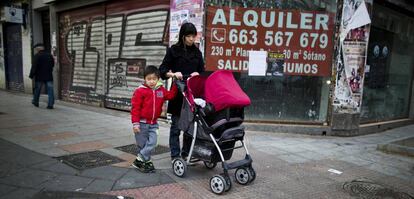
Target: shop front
298 37
390 63
331 64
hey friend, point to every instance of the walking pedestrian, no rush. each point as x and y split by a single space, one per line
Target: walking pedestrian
182 60
147 103
42 72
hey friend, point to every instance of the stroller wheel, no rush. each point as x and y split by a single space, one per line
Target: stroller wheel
179 167
218 184
252 172
228 182
210 165
242 176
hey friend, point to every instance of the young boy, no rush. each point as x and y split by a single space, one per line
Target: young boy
147 103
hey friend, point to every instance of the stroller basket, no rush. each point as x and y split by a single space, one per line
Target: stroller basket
206 150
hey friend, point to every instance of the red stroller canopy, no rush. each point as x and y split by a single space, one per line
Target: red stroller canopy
223 91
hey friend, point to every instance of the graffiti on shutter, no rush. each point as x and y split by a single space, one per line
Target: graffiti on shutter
105 55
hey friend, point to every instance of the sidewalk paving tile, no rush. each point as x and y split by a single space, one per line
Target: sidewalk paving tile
67 183
120 141
165 191
134 179
5 189
355 160
21 193
292 158
54 136
99 185
126 164
29 178
84 146
387 170
10 168
60 168
127 157
31 128
105 172
112 151
52 151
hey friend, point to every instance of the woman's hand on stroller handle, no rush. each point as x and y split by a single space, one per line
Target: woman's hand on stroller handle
176 75
194 74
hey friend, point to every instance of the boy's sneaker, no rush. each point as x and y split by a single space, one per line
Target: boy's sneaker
140 164
150 166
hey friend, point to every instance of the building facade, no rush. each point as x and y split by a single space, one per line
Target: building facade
15 46
318 73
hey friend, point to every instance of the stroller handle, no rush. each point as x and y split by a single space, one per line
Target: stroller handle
181 84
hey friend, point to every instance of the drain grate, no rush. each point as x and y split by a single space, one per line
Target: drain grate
366 189
132 149
89 160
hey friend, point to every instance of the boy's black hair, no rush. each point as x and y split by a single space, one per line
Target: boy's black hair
186 29
151 70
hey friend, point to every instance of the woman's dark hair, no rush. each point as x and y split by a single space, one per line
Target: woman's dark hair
186 29
151 70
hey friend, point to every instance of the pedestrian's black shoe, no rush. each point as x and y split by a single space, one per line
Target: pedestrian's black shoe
34 104
150 166
49 107
139 164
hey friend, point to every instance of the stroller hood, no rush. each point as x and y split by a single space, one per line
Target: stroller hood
223 91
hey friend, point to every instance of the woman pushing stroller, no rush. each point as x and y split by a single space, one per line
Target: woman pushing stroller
183 59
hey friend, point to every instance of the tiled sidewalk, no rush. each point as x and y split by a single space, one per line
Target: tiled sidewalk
287 165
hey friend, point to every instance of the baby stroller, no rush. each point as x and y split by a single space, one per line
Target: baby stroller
214 128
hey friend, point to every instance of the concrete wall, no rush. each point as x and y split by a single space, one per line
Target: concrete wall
2 67
38 4
412 101
37 27
27 58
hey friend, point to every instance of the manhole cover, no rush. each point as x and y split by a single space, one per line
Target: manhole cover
73 195
132 149
89 160
369 190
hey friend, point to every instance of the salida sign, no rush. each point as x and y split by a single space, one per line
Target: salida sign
304 37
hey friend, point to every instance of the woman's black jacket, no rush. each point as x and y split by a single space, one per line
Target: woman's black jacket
184 60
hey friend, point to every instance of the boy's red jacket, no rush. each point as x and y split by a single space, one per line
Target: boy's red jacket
147 103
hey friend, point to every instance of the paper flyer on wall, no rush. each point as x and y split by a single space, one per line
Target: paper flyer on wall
183 11
275 64
351 58
257 63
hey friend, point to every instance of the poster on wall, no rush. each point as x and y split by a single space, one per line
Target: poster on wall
305 38
351 57
275 62
183 11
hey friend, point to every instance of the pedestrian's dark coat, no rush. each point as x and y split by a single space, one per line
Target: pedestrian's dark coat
184 60
42 68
